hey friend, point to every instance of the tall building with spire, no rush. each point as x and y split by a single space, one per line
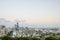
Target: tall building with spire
17 26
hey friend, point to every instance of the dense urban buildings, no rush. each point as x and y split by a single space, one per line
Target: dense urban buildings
18 31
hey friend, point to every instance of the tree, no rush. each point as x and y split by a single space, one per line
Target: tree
10 33
50 38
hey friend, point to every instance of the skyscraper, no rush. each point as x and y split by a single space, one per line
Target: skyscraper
17 26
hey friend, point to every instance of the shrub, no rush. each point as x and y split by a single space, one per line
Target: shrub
50 38
35 38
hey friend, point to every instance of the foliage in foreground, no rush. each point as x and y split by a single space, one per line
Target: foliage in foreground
50 38
27 38
16 38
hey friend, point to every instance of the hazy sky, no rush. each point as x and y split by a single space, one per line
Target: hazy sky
33 11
